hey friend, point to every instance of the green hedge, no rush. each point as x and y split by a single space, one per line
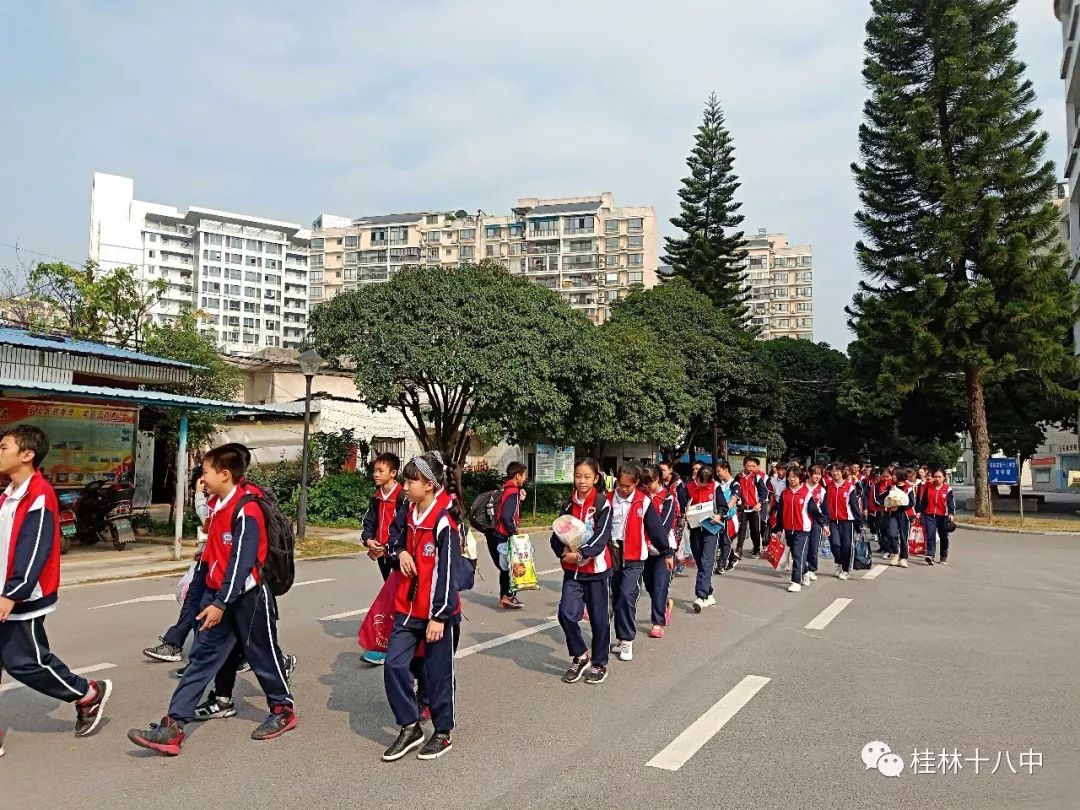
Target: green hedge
549 497
341 497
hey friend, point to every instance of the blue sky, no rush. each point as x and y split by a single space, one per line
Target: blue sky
360 108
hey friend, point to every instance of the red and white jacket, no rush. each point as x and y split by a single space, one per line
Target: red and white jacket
666 505
30 547
701 493
797 510
596 559
842 501
433 541
936 501
236 546
642 527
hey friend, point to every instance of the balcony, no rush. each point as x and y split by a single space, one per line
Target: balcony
543 264
589 230
546 231
539 248
580 262
370 275
405 254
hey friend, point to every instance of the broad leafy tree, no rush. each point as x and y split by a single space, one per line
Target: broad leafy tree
711 252
964 271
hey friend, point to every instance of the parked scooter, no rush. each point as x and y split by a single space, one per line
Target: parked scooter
68 500
103 512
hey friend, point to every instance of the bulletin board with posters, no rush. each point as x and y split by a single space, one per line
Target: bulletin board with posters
86 442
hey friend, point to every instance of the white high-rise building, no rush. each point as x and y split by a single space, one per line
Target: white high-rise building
1068 11
247 274
781 281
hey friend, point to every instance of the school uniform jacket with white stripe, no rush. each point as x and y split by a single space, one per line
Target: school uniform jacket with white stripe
30 547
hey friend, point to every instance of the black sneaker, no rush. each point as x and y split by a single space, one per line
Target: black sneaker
243 666
755 555
596 675
720 569
929 560
165 738
88 714
436 746
944 560
180 672
409 738
576 670
215 708
280 720
290 667
732 563
164 652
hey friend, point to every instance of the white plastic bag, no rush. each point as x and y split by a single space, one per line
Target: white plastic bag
185 583
570 531
896 497
698 513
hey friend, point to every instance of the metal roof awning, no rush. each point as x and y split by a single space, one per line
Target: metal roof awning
10 336
131 396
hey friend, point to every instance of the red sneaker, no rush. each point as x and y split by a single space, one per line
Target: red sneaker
656 632
164 737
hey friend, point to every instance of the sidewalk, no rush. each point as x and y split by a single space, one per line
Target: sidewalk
102 562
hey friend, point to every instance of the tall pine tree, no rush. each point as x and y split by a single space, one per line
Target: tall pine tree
712 254
965 274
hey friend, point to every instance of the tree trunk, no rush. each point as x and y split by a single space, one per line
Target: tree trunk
980 441
715 444
723 447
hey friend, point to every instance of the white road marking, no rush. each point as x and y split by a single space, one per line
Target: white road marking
821 621
160 597
874 572
312 582
498 642
679 750
334 617
549 571
7 687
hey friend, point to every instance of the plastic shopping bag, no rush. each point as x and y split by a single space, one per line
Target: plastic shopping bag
570 531
863 561
375 630
522 564
897 497
825 548
917 540
185 583
775 551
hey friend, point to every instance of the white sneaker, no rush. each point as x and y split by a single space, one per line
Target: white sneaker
627 651
806 580
616 647
794 587
903 563
894 559
838 569
812 576
699 603
842 575
710 600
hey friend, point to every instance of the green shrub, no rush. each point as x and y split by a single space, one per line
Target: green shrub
342 497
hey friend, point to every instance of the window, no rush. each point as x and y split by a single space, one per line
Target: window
779 278
611 226
236 242
233 320
805 292
805 261
804 277
780 307
780 261
780 323
270 247
611 260
316 293
350 275
579 225
635 224
433 254
434 236
516 248
399 236
248 337
274 264
233 306
517 230
211 303
271 326
152 237
378 237
212 239
232 273
150 253
493 250
250 307
612 296
611 278
317 260
468 251
316 276
250 323
271 309
352 241
581 246
233 258
211 287
271 279
212 272
250 276
805 322
432 219
804 306
467 234
757 261
635 242
1042 475
317 243
636 277
253 245
635 260
611 244
251 292
254 261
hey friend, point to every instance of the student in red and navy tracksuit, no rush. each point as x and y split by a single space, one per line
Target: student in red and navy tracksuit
507 515
661 562
842 507
30 579
728 500
906 481
237 608
794 515
634 526
815 482
703 544
754 497
427 609
890 518
385 515
675 485
937 505
586 575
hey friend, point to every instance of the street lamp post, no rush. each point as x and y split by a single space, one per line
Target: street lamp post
309 366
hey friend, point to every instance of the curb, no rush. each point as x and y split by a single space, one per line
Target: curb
1003 530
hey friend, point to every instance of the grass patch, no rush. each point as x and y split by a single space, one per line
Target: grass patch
542 520
344 523
317 547
1033 523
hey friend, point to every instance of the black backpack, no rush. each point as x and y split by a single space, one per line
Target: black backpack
279 570
482 511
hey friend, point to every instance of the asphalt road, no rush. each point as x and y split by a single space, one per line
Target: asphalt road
982 654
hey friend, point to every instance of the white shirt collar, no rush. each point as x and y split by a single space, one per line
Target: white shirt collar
16 494
225 500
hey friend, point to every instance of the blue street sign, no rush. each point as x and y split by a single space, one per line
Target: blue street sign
1003 471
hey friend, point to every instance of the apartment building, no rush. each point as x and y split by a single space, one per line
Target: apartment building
781 281
247 274
590 250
